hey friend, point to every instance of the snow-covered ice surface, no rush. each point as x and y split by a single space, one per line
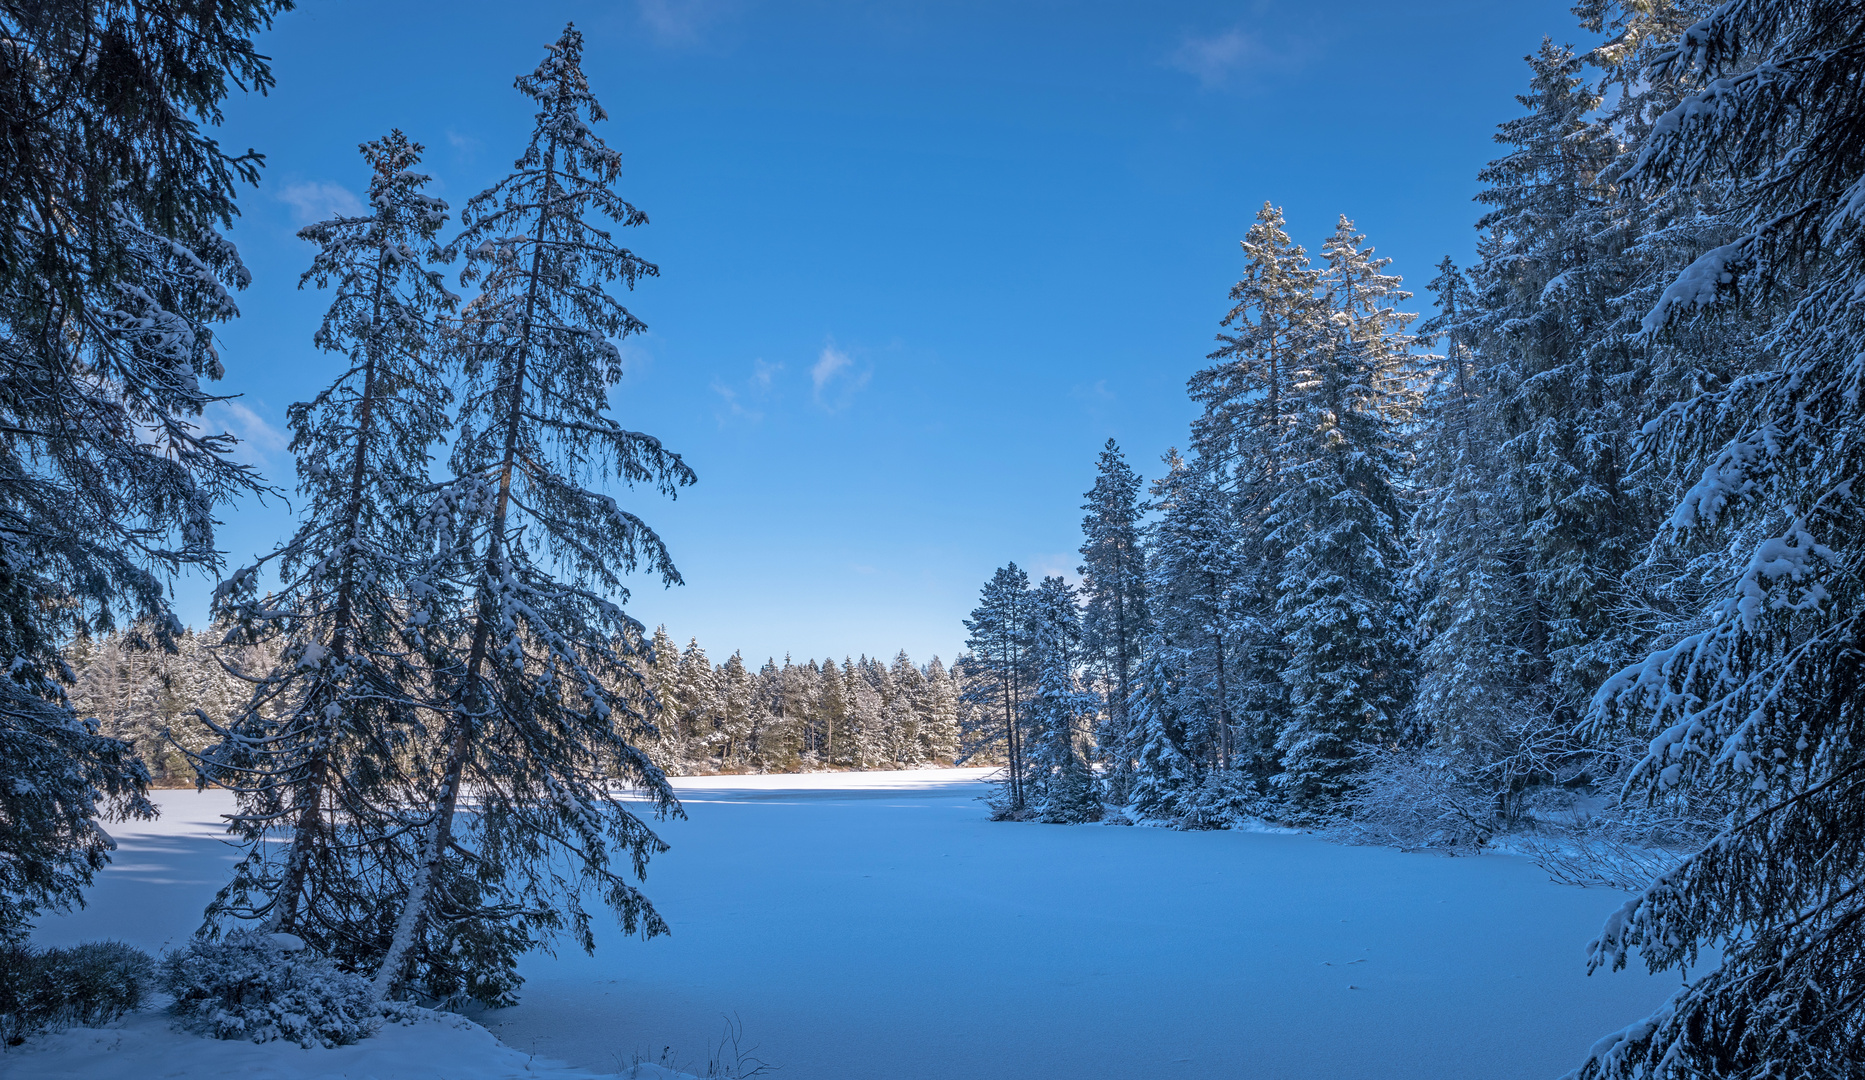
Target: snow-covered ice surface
876 926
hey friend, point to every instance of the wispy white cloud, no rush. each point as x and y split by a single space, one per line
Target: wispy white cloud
836 377
829 364
679 22
260 441
746 400
1062 566
1216 58
464 144
735 407
320 200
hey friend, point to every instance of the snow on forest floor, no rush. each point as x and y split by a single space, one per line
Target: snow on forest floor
877 926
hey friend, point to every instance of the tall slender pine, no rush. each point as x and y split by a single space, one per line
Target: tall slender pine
319 758
535 733
1113 588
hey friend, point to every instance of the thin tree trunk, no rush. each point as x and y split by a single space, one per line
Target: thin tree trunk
414 911
291 886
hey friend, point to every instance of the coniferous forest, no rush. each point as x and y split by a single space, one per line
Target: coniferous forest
1567 561
1556 553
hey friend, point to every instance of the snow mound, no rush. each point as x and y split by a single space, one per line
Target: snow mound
427 1046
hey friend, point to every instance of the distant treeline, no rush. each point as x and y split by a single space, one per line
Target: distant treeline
859 713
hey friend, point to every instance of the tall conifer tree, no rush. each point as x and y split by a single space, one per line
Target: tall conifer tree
1114 616
1338 519
1760 702
1000 643
317 756
533 724
113 272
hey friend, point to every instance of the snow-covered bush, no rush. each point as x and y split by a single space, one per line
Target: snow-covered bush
1418 798
1073 798
86 985
1225 797
1002 800
268 986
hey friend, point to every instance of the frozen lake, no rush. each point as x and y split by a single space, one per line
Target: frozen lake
874 926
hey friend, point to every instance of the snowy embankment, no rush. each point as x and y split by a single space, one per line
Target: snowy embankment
435 1047
864 925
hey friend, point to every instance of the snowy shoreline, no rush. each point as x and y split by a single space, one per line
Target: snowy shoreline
864 924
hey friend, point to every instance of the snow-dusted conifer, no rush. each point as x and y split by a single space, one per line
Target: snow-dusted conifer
907 709
533 727
1276 318
939 734
317 757
1060 782
1561 385
733 725
1000 644
832 714
867 712
1761 701
1196 568
1163 774
1482 692
1113 588
1337 521
113 271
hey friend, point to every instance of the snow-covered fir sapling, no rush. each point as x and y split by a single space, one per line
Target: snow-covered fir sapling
263 987
536 734
326 755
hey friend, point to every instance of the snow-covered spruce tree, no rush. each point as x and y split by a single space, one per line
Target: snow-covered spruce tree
777 734
1276 317
1338 520
832 709
1164 776
1060 782
1272 321
1113 588
939 734
732 726
1000 645
1195 569
534 735
1554 261
908 708
1763 702
867 712
1481 713
113 270
319 757
801 709
657 692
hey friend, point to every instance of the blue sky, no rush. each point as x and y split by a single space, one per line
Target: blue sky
919 260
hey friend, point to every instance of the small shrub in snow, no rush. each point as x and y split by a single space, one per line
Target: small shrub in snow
1224 798
268 986
1073 798
86 985
1418 798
